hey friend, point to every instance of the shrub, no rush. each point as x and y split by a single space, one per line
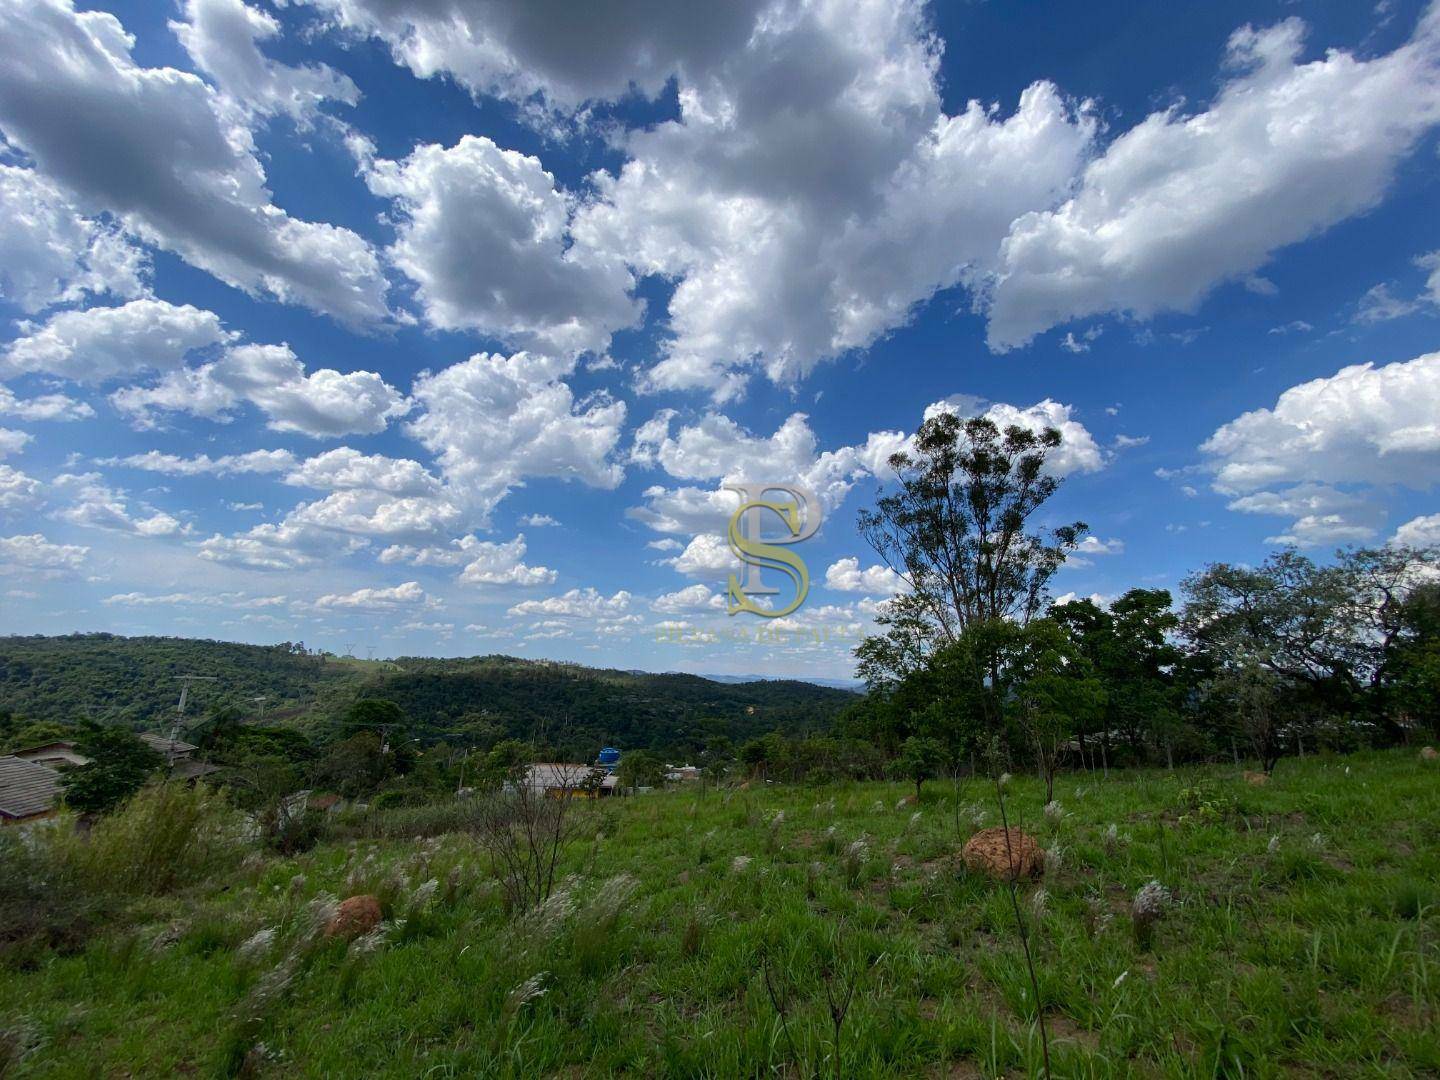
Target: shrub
289 832
408 822
42 905
165 837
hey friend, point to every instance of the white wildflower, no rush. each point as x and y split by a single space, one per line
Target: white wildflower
556 909
915 819
1120 979
1054 812
900 803
1054 858
1274 844
271 985
1039 901
321 910
1151 901
1004 779
877 807
1100 916
1317 840
526 992
613 895
297 883
739 864
366 944
257 944
424 893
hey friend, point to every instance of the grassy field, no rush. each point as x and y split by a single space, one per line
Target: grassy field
719 934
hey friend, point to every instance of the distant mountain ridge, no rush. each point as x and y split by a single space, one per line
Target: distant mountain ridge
569 706
854 685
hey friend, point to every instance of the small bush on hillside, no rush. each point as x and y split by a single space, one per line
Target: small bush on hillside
41 903
450 815
290 833
167 836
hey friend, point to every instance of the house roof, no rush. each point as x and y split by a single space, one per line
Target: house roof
164 745
563 774
191 769
57 744
26 788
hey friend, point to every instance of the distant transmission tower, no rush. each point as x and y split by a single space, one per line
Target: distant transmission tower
370 652
350 650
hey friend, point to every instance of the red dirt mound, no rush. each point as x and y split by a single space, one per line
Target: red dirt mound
988 853
356 915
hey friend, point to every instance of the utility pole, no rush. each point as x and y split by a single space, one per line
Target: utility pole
185 681
260 700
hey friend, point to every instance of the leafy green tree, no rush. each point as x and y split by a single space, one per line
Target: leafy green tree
1053 692
1260 703
920 759
957 531
640 768
1412 668
120 763
354 767
34 733
1129 648
374 712
506 760
1327 632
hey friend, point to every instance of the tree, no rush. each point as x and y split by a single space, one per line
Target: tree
21 734
1412 666
956 532
764 755
354 767
120 763
374 713
1129 648
920 758
1256 696
1053 692
507 760
640 768
1327 632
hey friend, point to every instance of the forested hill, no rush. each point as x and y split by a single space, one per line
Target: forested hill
135 680
572 706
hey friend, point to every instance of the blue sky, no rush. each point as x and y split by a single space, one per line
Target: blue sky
330 322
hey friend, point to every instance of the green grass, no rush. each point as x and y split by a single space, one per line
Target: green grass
1318 958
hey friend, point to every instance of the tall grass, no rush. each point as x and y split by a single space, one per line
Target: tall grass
649 957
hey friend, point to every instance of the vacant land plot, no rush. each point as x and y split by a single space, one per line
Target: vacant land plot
724 934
